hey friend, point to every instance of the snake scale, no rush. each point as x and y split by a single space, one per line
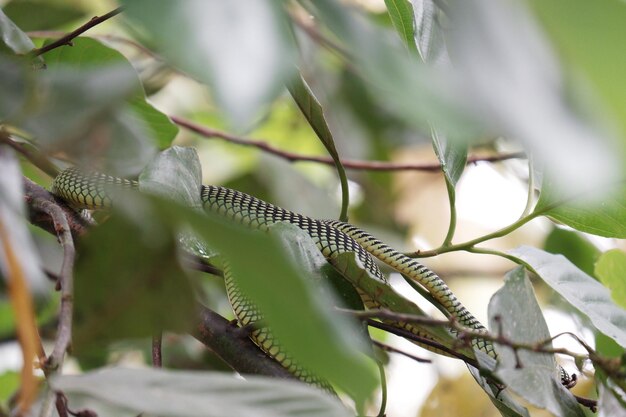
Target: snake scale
89 190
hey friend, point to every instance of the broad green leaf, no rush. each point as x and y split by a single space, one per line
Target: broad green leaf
312 110
521 321
88 53
582 291
99 127
611 271
596 212
452 155
401 13
580 251
130 392
129 282
284 284
242 50
13 37
591 42
42 14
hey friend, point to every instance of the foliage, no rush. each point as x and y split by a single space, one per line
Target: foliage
345 92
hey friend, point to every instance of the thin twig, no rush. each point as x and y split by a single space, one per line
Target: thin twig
67 39
65 282
348 163
388 348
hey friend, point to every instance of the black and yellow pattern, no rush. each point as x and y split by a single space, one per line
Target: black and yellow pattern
331 237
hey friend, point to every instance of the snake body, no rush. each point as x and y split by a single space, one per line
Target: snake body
90 190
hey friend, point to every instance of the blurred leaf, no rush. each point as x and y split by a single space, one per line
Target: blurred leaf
13 85
611 402
12 218
401 13
13 37
582 291
89 54
512 81
241 50
404 85
611 271
574 247
282 274
521 321
312 110
132 286
9 384
597 212
430 34
42 14
591 41
302 319
452 155
128 392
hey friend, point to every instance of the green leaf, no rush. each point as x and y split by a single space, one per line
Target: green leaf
591 42
9 384
611 401
241 50
132 286
599 212
582 291
452 155
88 53
522 322
282 274
580 251
312 110
611 271
401 13
49 14
129 392
13 37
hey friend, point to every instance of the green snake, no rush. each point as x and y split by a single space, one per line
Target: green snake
89 190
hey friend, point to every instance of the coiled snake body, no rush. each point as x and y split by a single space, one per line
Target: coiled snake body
89 190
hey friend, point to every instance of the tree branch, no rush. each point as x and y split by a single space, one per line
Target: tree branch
67 39
240 353
348 163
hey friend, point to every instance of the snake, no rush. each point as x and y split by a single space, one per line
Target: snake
92 190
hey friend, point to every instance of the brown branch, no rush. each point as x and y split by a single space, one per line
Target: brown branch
240 353
65 282
157 350
67 39
348 163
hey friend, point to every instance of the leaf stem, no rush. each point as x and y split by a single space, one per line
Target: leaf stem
452 203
